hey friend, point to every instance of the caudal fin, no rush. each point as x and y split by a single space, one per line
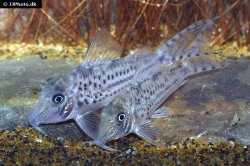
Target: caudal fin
189 42
203 64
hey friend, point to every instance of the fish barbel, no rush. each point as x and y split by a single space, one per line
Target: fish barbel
103 75
137 109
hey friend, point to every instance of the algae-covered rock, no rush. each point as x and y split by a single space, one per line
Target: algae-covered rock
27 147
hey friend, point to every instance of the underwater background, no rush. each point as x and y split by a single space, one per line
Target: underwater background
211 113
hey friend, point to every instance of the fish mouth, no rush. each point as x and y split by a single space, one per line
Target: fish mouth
35 124
107 133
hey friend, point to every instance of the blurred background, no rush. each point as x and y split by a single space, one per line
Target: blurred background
132 22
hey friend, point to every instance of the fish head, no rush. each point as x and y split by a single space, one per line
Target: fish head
55 105
116 120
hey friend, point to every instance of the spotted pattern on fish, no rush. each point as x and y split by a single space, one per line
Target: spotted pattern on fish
103 75
151 93
98 83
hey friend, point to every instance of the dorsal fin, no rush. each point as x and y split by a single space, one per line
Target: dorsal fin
102 47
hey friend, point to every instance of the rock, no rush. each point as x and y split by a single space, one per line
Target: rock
214 106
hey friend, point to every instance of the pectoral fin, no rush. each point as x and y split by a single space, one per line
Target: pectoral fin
161 113
89 123
101 144
150 130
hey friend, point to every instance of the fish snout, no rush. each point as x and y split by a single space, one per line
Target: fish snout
34 122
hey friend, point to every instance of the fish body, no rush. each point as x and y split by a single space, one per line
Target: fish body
136 110
88 88
103 76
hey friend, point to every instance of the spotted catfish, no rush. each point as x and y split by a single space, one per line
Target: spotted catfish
135 110
103 75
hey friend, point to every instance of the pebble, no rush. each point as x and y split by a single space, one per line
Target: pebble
128 151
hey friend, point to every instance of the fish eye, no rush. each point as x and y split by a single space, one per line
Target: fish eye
121 117
58 98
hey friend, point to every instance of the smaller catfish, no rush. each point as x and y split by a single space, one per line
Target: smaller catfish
136 110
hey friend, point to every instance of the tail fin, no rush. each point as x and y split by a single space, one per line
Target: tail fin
191 39
203 64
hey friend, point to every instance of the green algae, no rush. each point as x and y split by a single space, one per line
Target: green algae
58 50
45 51
21 147
19 100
